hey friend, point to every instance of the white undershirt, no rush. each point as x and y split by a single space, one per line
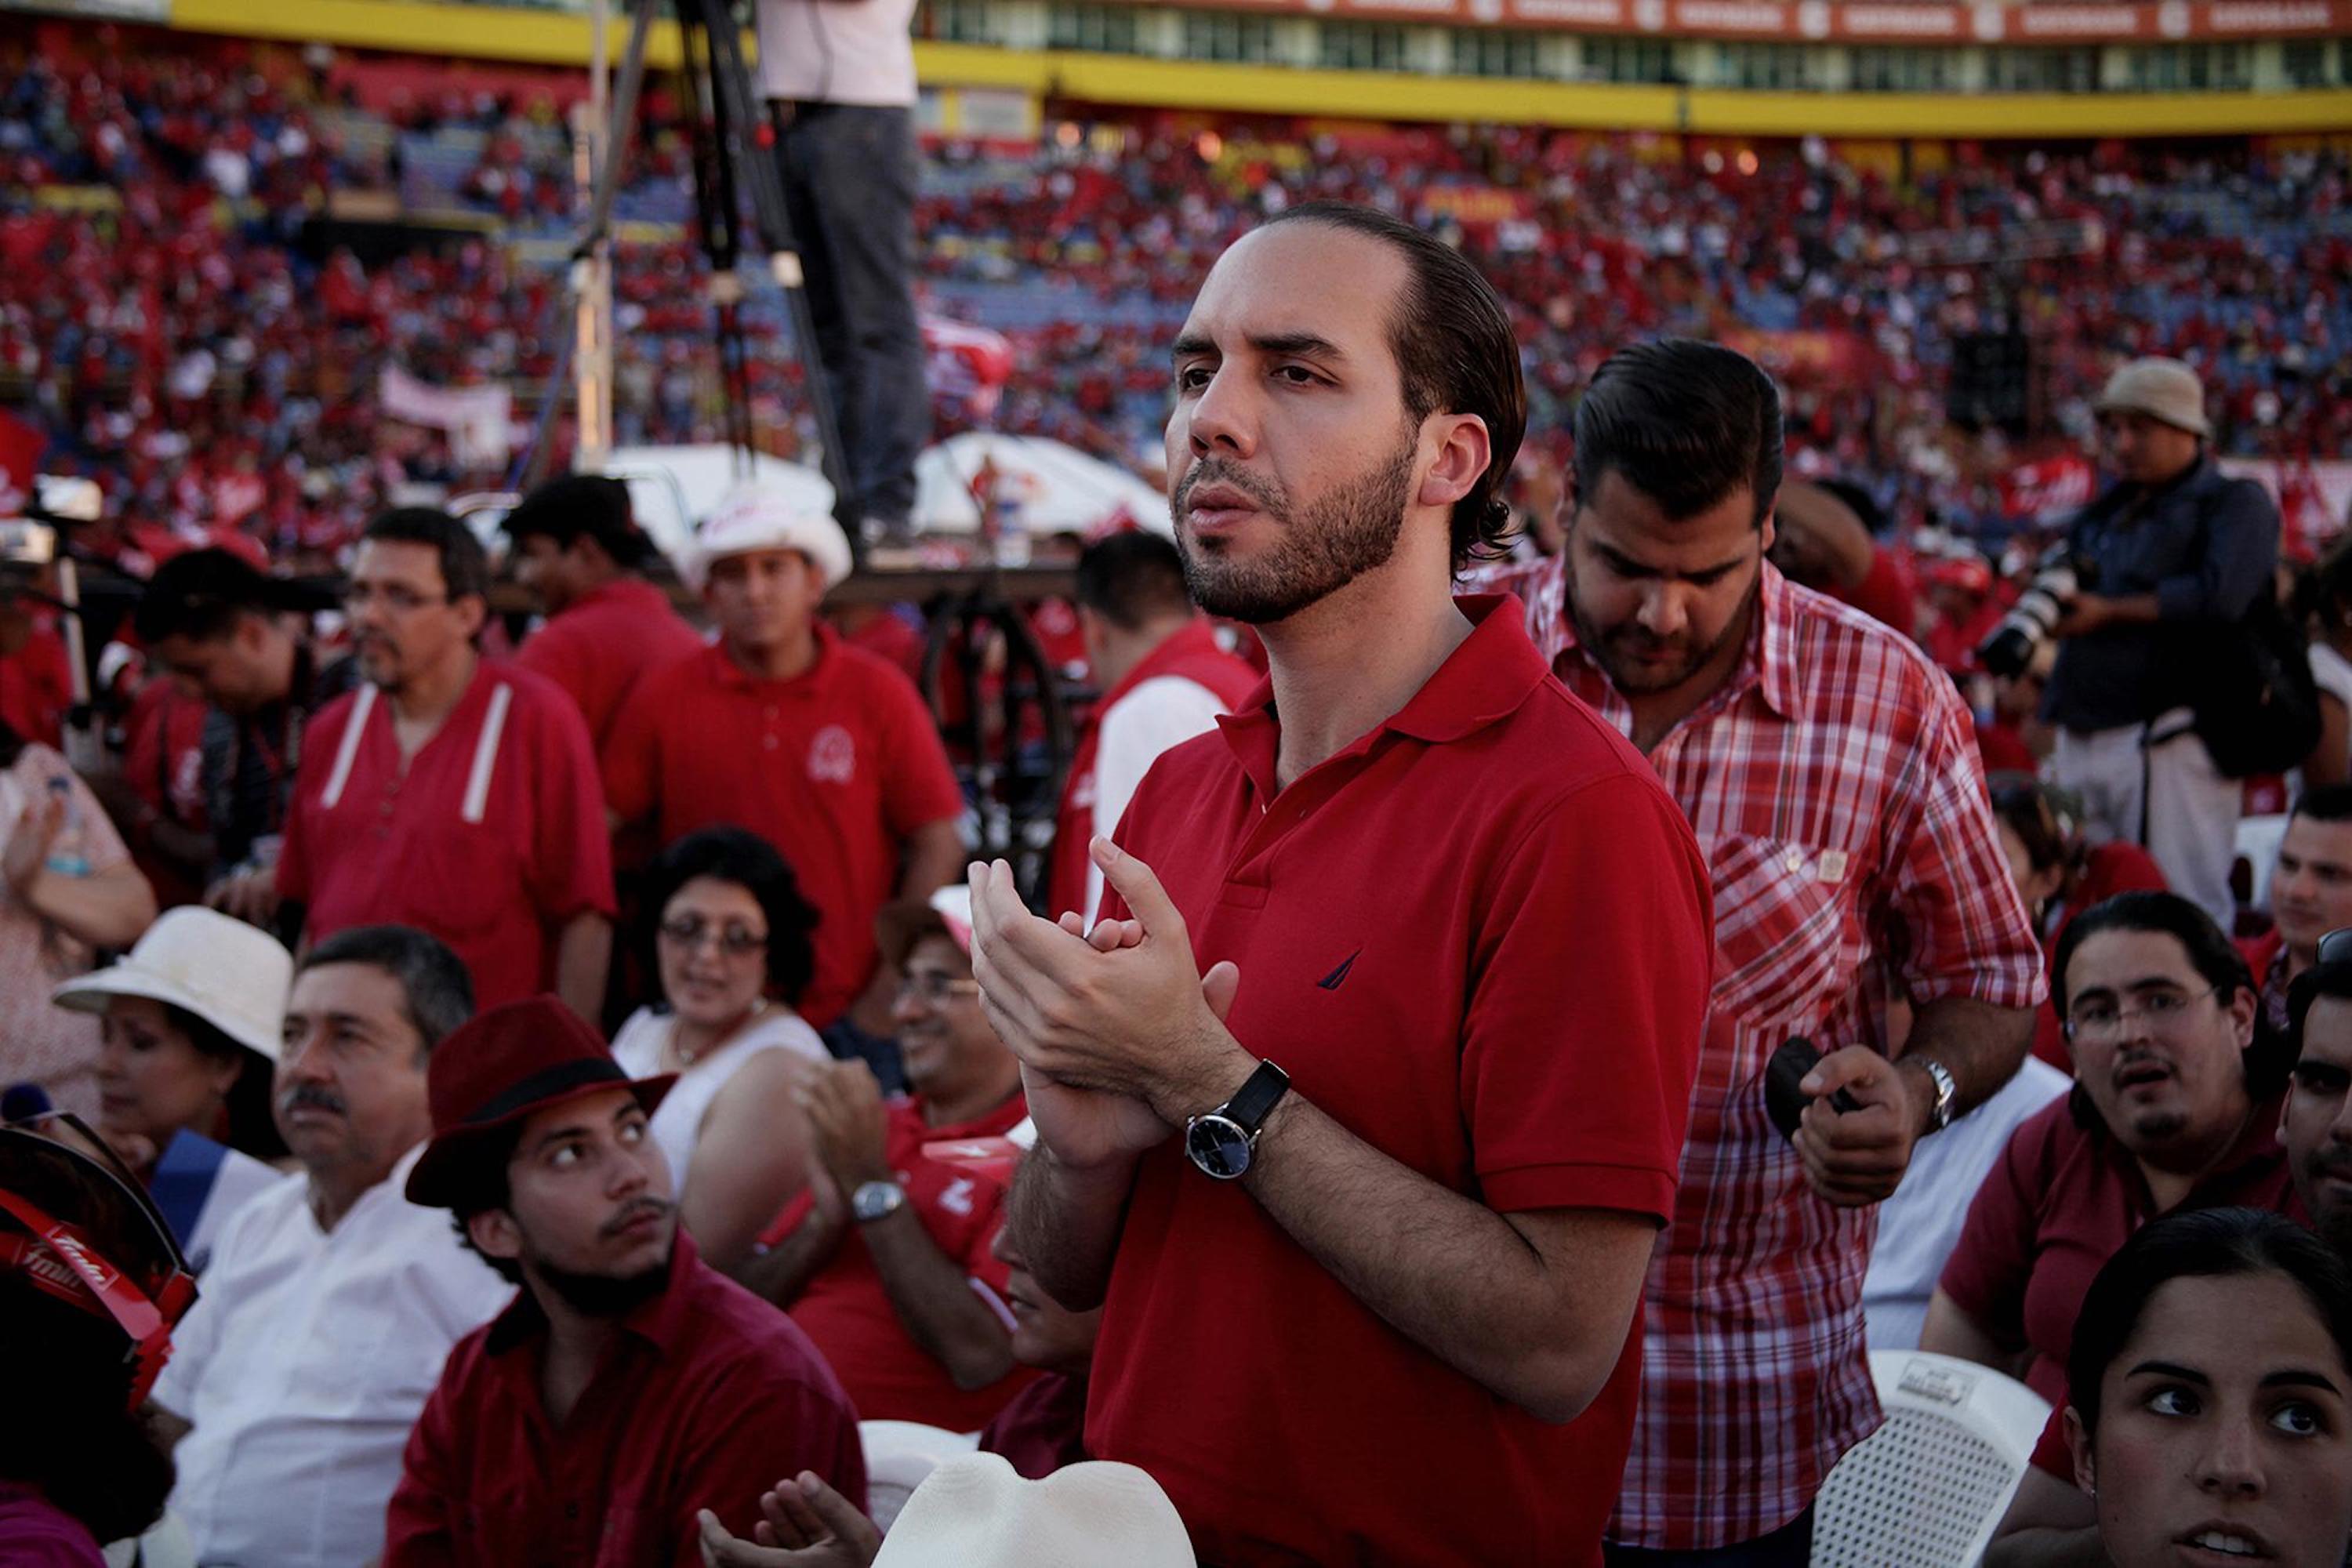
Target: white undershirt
677 1124
1164 711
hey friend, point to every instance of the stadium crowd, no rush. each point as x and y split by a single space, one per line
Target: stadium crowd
582 1086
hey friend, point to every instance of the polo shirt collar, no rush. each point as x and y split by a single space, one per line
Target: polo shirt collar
1770 660
729 674
994 1123
661 1323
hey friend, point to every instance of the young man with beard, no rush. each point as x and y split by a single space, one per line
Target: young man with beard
1831 775
448 794
630 1386
1456 910
330 1300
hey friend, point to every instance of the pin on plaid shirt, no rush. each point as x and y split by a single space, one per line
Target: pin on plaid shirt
1835 789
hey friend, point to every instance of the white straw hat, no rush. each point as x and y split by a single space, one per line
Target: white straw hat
232 975
755 517
978 1512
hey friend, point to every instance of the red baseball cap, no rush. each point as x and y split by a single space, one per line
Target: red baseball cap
499 1068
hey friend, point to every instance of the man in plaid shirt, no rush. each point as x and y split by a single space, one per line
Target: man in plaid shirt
1831 773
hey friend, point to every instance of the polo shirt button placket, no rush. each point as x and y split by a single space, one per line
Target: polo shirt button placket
769 740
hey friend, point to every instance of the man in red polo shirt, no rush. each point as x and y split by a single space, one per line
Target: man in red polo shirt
2310 894
885 1258
822 748
577 547
1381 1309
1163 680
630 1386
450 794
1829 770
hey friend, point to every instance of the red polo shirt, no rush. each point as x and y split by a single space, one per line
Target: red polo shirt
835 767
603 641
2056 1206
1478 937
707 1395
492 839
847 1312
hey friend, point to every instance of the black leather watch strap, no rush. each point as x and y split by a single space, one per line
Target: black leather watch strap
1256 1098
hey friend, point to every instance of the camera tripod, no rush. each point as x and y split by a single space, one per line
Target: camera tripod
735 140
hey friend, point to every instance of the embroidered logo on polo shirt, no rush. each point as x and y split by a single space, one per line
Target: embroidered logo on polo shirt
1337 977
833 755
957 1199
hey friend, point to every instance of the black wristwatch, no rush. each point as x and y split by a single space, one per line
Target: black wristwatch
1221 1141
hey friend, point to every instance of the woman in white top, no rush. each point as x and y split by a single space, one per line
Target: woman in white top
728 936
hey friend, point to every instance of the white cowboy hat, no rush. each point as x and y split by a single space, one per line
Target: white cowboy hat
978 1512
756 517
230 975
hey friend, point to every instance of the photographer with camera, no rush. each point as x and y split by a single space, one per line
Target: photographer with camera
2171 561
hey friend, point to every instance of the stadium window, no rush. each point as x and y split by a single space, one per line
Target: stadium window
1489 52
1102 29
2045 70
1768 67
1885 69
954 21
1630 59
1361 47
1211 36
2191 68
2306 62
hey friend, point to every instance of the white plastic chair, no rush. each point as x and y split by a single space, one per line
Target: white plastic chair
1926 1489
898 1454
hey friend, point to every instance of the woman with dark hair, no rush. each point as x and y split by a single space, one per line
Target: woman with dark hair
188 1035
729 935
2210 1417
2175 1106
2059 876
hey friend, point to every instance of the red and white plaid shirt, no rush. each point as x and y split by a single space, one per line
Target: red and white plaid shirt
1835 787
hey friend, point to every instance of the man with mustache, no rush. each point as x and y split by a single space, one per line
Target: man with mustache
330 1300
1831 775
1459 913
448 794
630 1386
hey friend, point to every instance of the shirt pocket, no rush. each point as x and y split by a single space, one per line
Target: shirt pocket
1777 925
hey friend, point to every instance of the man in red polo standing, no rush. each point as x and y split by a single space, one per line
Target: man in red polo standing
1163 680
823 750
1377 1303
450 794
577 547
1830 770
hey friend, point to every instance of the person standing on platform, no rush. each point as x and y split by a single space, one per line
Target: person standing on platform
842 79
1378 1302
577 547
450 793
825 751
1161 678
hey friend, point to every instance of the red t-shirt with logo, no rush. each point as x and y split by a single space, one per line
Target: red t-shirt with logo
846 1312
1479 938
835 767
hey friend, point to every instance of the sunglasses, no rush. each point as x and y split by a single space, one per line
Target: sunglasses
145 1296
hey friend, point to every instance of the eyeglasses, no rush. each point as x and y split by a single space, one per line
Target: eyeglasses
934 989
2101 1021
140 1282
394 597
690 932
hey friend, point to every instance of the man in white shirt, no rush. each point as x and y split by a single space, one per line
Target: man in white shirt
843 74
331 1301
1161 678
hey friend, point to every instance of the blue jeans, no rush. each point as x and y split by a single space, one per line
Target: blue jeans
849 175
1791 1546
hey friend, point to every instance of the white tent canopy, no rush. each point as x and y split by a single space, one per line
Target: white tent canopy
1056 489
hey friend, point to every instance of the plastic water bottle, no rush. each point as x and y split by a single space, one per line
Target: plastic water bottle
70 850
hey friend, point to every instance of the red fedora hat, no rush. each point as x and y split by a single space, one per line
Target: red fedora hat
500 1067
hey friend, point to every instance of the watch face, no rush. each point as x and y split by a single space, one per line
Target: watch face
1218 1146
